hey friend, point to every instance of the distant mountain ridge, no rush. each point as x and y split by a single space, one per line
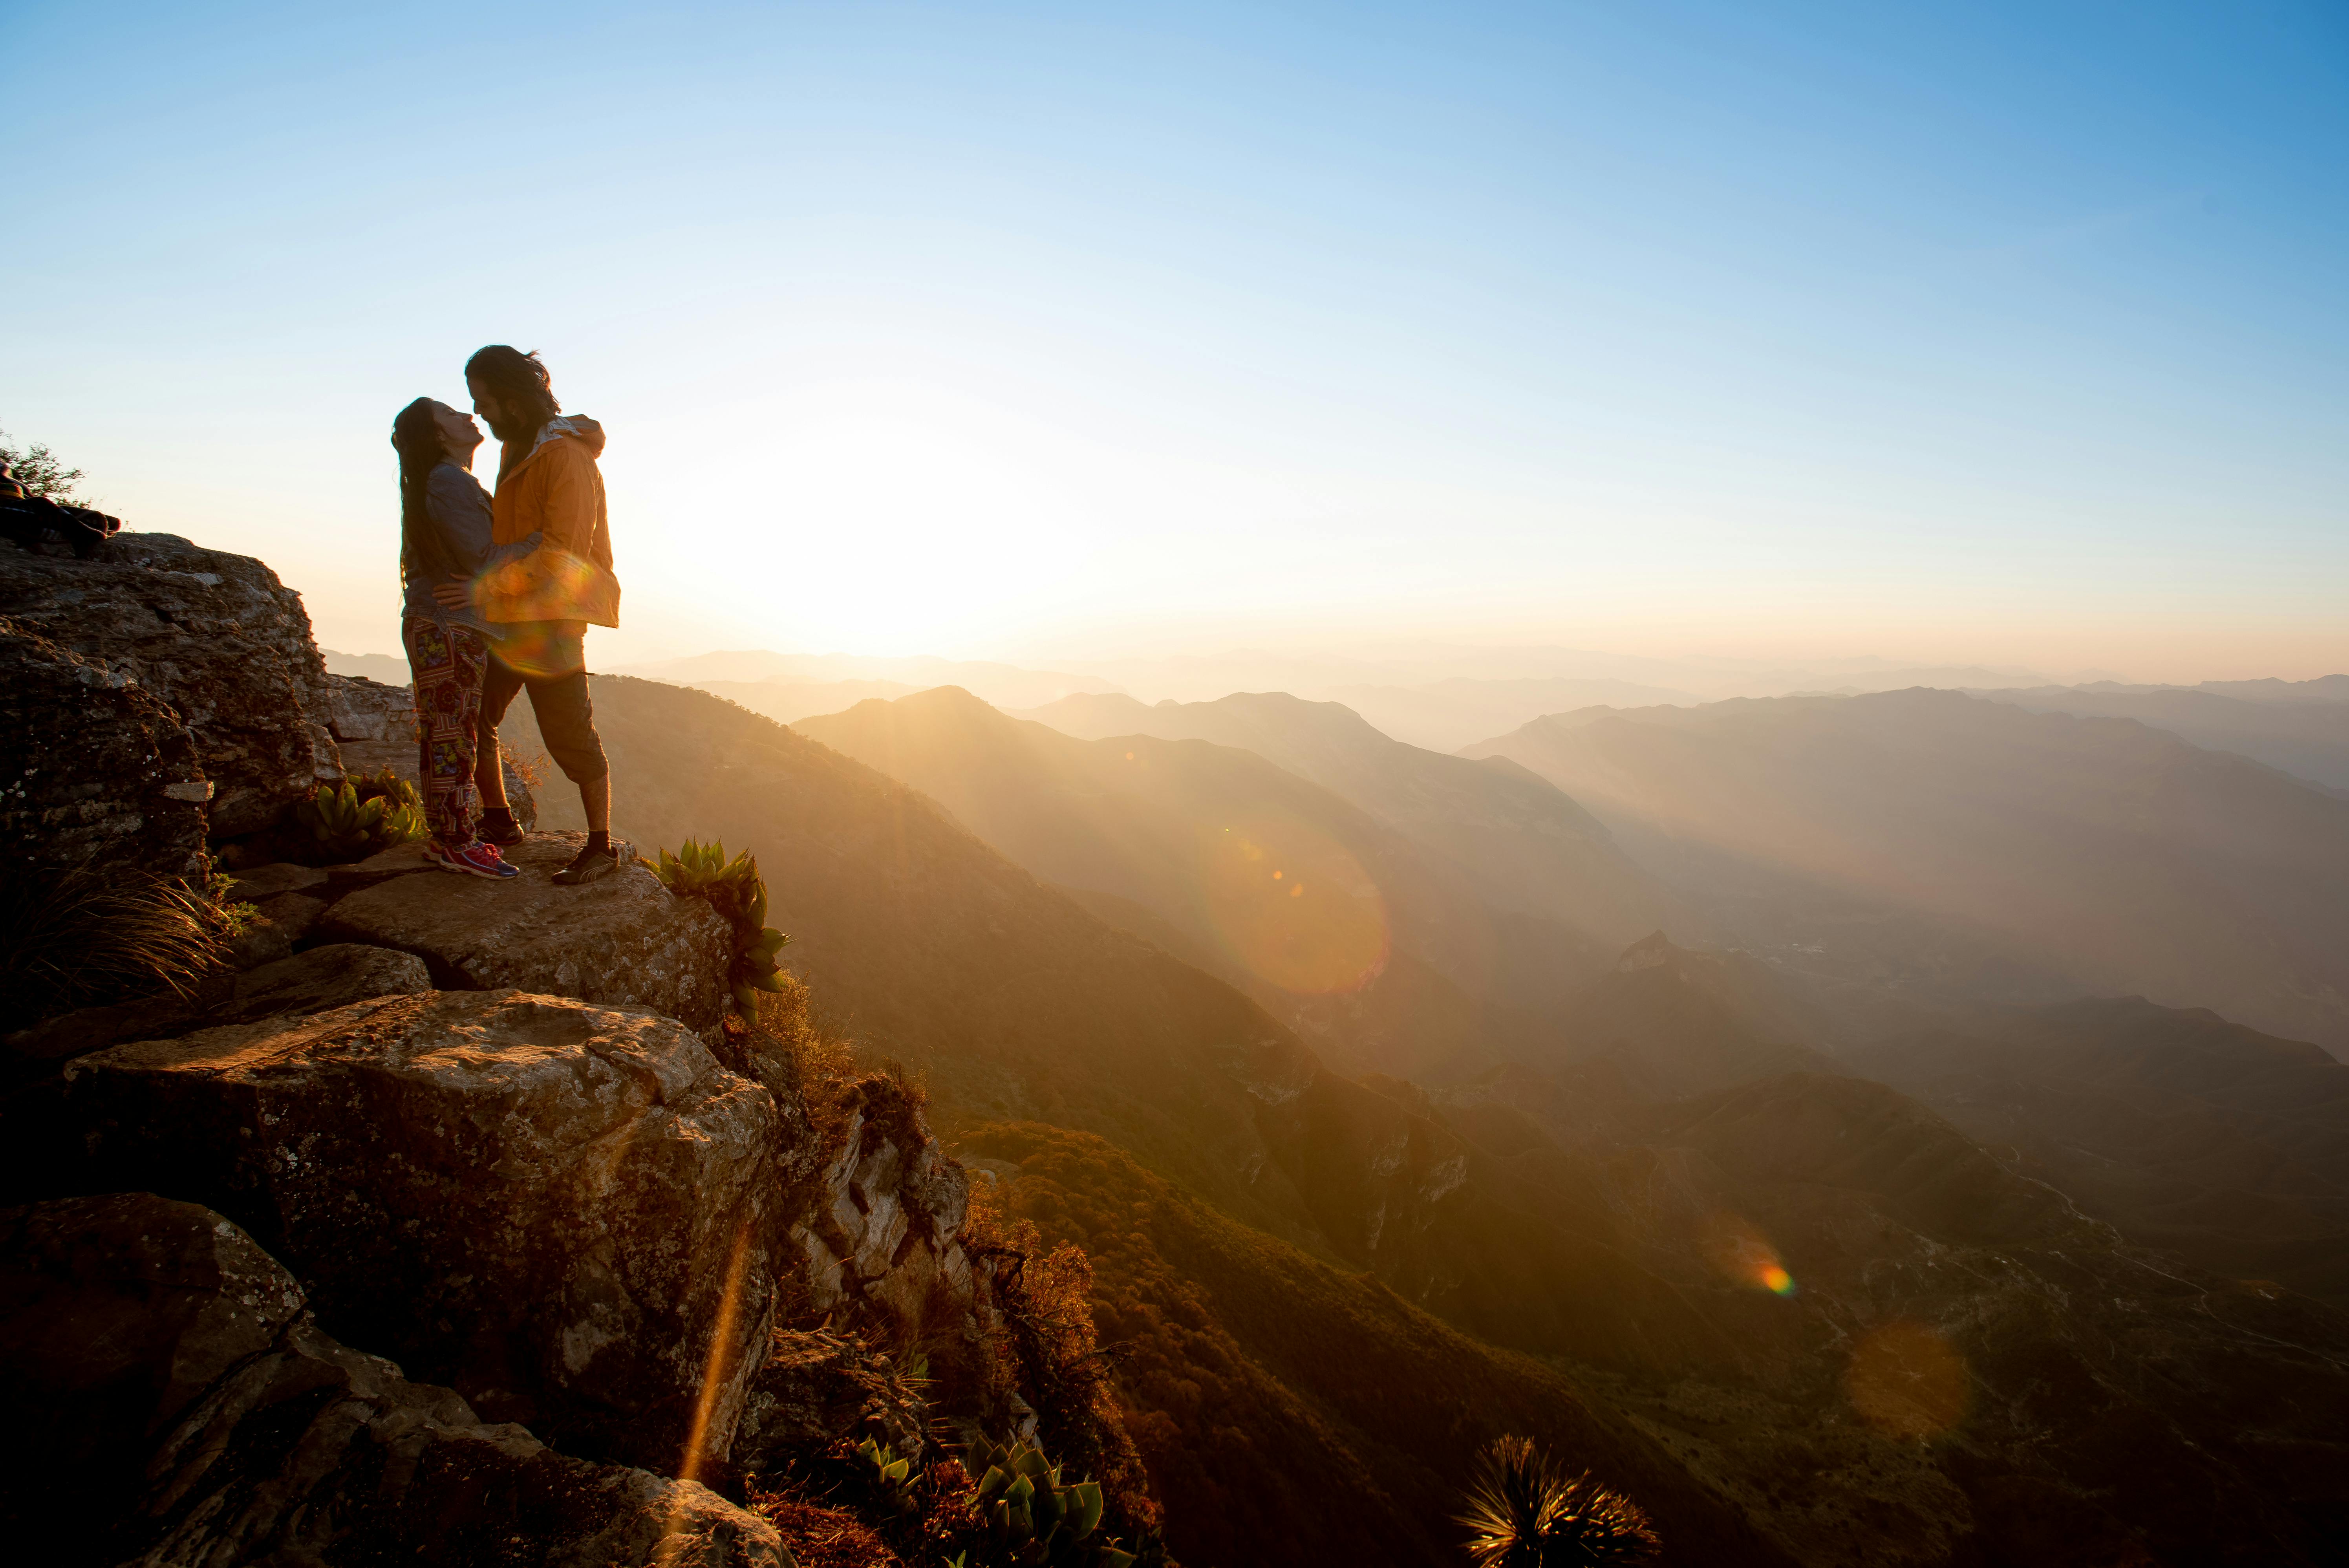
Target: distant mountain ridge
1004 684
2300 727
1974 849
1525 846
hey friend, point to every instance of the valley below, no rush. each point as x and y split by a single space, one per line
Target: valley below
1929 1255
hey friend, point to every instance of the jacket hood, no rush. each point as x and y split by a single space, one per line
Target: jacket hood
578 426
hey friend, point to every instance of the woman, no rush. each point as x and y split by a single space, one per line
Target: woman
444 533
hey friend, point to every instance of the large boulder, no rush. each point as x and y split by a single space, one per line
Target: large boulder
565 1211
359 708
116 1313
165 1400
97 771
623 940
214 635
317 980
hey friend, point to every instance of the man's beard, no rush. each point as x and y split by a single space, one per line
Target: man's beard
509 427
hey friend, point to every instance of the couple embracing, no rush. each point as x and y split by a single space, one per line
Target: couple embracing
500 590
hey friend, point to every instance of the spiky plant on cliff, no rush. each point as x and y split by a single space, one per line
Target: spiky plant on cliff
357 815
735 890
1523 1513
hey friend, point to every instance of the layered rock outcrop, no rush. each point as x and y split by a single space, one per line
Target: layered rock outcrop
140 1336
96 768
565 1211
215 637
506 1132
885 1229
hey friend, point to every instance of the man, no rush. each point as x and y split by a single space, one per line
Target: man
549 576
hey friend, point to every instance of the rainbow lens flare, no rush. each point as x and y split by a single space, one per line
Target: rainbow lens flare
1743 1254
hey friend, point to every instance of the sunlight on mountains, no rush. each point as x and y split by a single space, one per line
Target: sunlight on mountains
1292 905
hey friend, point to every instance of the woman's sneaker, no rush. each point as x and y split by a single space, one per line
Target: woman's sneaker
500 827
476 859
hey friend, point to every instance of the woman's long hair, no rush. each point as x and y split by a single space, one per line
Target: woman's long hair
416 436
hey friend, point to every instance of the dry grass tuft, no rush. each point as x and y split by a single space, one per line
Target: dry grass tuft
821 1537
87 937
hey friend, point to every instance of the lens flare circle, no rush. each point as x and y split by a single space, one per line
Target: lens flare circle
1290 904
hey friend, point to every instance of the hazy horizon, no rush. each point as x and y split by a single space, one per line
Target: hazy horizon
1999 337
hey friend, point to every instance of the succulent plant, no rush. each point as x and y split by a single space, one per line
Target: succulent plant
1032 1516
354 818
736 891
892 1476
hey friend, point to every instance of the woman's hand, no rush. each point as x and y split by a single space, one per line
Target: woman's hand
456 593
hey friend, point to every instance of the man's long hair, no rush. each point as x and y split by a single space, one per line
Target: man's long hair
416 436
521 383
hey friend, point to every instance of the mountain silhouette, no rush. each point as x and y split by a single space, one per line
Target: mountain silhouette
2306 736
1527 848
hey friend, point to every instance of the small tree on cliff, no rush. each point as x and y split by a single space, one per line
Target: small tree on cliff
40 470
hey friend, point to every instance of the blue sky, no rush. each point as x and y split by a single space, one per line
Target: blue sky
2013 334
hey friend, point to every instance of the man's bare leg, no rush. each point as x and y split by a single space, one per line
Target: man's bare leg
595 802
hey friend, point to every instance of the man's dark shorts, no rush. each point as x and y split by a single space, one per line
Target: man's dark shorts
566 720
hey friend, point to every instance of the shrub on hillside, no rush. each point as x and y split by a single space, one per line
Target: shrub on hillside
40 470
1045 1298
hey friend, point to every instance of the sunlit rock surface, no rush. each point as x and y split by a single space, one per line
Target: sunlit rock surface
623 940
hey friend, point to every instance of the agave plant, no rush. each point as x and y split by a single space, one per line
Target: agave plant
345 823
1525 1513
735 890
1034 1516
892 1476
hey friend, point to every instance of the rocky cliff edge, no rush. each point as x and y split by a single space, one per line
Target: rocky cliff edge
457 1220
